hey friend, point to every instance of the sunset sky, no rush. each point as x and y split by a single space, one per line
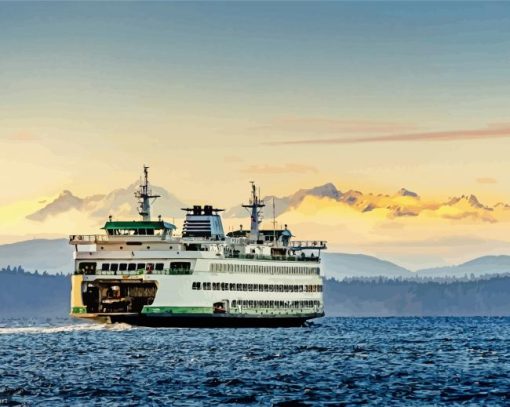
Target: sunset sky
369 96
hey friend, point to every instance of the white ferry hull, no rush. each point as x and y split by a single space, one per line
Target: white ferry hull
138 272
177 302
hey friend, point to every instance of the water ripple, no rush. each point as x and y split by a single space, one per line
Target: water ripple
335 361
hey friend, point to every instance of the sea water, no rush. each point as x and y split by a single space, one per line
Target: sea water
392 361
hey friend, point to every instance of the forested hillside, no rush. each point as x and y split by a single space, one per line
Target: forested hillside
427 297
25 294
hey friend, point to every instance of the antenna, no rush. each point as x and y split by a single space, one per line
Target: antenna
144 194
255 205
274 224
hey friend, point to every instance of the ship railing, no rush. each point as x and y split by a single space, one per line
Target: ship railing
272 258
308 244
237 240
168 272
199 239
243 241
87 239
93 239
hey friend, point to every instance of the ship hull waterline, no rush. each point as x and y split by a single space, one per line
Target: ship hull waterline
200 321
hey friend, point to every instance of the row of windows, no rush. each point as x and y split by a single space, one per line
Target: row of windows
131 266
175 267
137 232
263 269
280 288
275 304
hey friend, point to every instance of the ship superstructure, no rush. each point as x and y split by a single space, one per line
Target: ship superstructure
142 272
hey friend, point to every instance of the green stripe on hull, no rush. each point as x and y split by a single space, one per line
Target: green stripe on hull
151 310
79 310
177 310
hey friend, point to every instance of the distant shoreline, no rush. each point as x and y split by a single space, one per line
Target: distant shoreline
36 296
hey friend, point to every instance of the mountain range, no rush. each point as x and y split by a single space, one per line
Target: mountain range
407 228
403 203
56 256
476 267
120 203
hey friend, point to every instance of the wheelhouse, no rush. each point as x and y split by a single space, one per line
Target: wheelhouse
140 228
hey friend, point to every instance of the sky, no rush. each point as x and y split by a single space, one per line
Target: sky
372 96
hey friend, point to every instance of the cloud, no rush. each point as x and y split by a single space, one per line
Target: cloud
326 125
487 180
289 168
491 131
469 215
21 136
232 159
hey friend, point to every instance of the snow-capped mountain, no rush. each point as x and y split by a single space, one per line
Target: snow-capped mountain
470 201
119 203
404 203
283 204
65 202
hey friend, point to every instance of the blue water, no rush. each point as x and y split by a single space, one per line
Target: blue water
393 361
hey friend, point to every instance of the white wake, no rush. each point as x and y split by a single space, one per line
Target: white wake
63 328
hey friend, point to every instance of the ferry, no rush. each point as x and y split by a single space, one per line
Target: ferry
144 273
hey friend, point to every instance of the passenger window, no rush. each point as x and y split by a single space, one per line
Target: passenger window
140 266
105 267
123 267
131 267
114 267
159 266
87 268
180 266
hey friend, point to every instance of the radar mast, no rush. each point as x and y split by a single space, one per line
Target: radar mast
144 195
256 214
